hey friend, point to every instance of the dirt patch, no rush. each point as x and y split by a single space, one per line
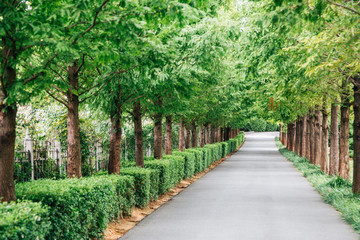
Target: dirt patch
117 229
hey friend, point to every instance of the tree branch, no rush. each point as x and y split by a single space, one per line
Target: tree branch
345 7
82 64
62 101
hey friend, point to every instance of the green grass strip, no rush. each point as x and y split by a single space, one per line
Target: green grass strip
334 189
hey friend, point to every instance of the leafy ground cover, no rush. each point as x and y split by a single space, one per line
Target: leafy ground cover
334 189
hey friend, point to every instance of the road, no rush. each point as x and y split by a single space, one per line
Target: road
256 194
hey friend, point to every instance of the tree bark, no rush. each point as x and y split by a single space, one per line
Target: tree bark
168 136
334 141
280 134
194 140
356 136
139 142
202 140
207 141
312 138
303 137
288 137
324 159
226 134
317 149
298 136
212 134
308 135
181 136
115 143
344 166
158 136
188 138
7 131
221 137
73 124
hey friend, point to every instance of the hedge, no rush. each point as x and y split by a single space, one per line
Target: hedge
178 168
141 183
199 159
24 220
78 208
189 162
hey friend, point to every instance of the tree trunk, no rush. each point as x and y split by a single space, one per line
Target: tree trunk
226 134
324 159
334 141
139 143
356 136
207 134
288 137
181 136
188 138
115 143
73 125
303 136
212 134
168 136
194 140
158 136
317 150
344 166
293 137
308 135
298 136
202 140
312 138
220 134
7 130
280 134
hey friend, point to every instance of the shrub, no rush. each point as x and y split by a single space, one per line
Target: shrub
78 208
23 220
177 164
125 189
225 149
189 162
141 183
154 184
163 166
199 159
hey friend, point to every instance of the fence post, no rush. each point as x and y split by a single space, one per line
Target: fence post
29 148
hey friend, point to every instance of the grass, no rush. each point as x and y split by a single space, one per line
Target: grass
334 189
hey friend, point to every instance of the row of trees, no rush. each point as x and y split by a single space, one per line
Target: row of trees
307 55
159 60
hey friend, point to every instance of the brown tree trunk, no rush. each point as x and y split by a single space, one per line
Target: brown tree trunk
308 135
73 125
181 136
158 136
168 136
324 159
115 143
139 142
226 134
288 137
221 137
207 140
317 139
298 136
344 166
194 140
356 136
7 130
280 134
303 136
188 138
202 140
212 134
334 141
312 138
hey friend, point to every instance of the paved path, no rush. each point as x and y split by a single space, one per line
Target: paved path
255 194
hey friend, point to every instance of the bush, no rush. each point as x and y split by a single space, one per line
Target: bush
163 166
125 189
141 183
199 159
154 184
177 166
189 162
225 149
23 220
78 208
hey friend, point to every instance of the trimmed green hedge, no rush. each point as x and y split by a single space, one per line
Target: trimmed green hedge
164 168
23 220
178 168
141 183
78 208
199 159
189 162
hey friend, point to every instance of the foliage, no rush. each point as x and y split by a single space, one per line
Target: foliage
189 168
24 220
199 159
334 190
78 208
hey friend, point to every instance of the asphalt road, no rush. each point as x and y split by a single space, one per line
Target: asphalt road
254 194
